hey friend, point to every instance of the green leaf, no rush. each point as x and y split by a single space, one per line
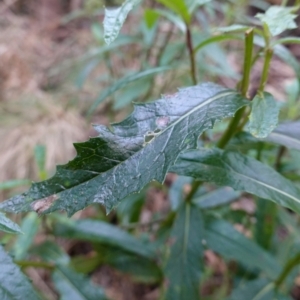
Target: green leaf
150 17
139 268
265 225
103 233
179 7
264 115
216 198
184 264
223 238
171 17
216 39
14 285
287 40
136 151
51 252
278 19
233 28
6 185
8 226
123 82
229 168
193 4
30 225
115 18
72 285
286 134
258 289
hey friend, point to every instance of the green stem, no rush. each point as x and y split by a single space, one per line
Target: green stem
287 269
265 73
189 44
35 264
247 61
233 125
195 186
231 129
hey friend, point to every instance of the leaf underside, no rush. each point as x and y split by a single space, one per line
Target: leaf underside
229 168
136 151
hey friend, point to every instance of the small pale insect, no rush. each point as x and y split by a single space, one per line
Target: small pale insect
42 205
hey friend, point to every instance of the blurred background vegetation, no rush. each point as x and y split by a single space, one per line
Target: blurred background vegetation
57 77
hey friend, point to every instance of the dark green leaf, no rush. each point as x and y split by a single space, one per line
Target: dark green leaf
229 168
264 115
104 233
286 134
136 151
224 239
278 19
14 285
72 285
114 19
265 225
139 268
184 265
8 226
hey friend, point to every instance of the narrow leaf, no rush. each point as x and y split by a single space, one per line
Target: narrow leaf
229 168
224 239
185 261
264 115
278 19
258 289
123 82
216 198
233 28
6 185
140 269
104 233
14 285
115 18
8 226
193 4
30 225
138 150
286 134
72 285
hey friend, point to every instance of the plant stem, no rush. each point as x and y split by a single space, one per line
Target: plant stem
247 61
189 44
233 125
287 269
265 73
35 264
